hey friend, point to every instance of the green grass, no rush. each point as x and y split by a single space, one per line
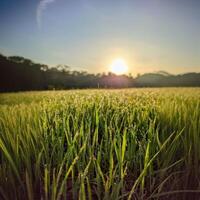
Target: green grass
100 144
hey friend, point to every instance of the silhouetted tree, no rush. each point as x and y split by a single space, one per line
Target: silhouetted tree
21 74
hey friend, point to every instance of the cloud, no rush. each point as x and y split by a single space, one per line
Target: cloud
40 9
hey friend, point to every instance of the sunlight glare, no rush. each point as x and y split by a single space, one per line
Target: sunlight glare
119 66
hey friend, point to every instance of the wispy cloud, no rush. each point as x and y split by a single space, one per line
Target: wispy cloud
40 9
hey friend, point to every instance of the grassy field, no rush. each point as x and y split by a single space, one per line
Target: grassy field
100 144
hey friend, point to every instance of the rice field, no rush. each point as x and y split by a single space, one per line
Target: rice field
100 144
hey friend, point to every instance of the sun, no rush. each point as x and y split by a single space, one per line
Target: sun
119 66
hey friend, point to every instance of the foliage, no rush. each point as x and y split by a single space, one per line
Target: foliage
100 144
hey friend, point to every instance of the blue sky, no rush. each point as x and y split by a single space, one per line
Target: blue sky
150 35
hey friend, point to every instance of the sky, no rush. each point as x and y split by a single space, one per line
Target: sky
150 35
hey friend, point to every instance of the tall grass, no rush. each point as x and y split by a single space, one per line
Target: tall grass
100 144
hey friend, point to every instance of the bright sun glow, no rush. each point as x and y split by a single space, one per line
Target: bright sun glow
119 66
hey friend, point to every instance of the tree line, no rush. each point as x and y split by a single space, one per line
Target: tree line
22 74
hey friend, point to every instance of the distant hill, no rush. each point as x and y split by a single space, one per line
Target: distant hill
163 73
161 80
22 74
149 79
